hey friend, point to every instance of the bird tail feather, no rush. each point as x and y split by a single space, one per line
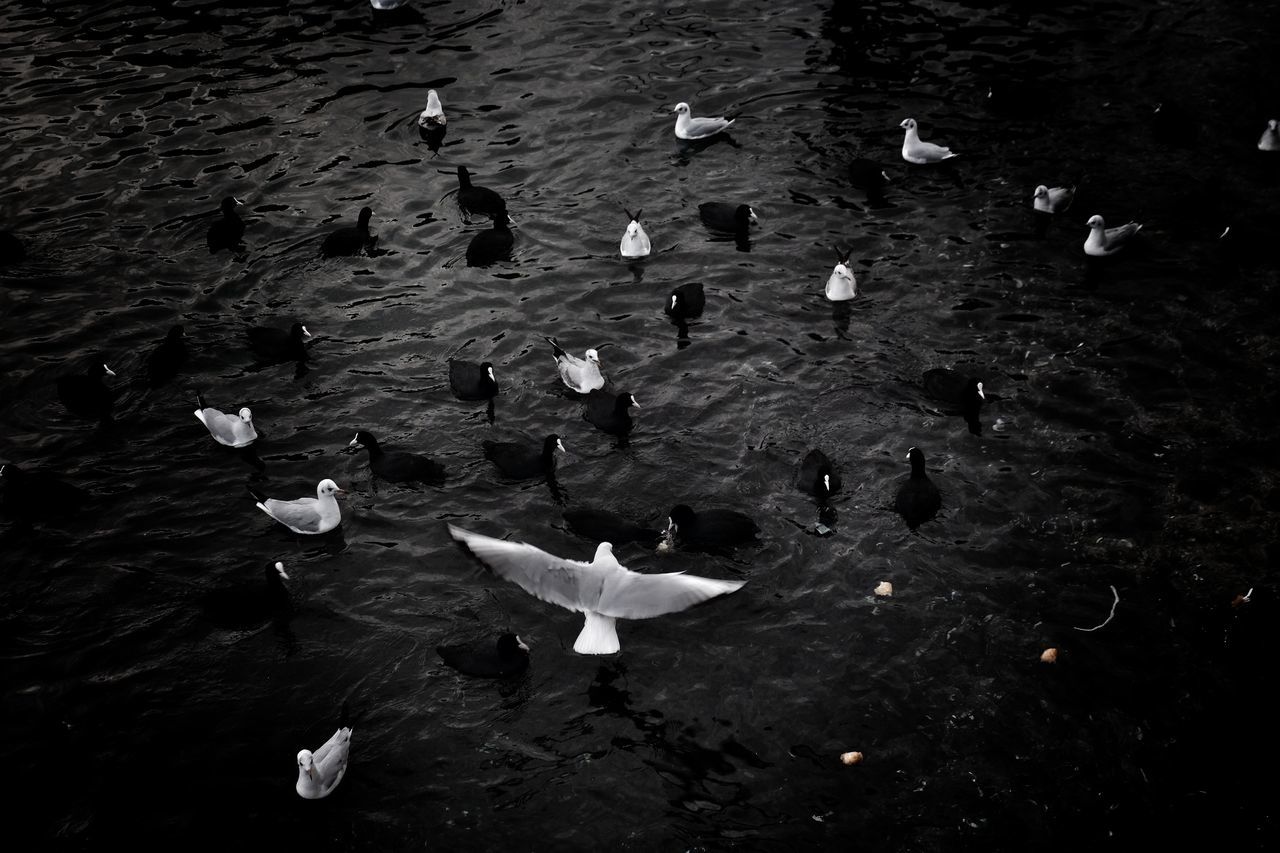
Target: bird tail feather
598 637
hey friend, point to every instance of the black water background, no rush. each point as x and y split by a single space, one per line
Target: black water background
1127 442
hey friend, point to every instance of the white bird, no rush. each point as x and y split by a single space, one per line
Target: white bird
1270 140
635 243
920 153
602 590
579 374
231 430
320 772
1052 199
306 515
1103 241
433 115
698 127
841 286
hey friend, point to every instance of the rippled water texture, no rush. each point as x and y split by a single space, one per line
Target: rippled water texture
150 696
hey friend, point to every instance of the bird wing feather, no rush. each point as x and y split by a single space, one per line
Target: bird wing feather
302 514
571 584
632 595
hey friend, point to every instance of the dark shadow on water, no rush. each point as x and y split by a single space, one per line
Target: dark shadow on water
558 494
433 136
682 333
841 315
401 15
636 266
675 750
687 148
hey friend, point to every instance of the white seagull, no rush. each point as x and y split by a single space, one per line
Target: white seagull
841 286
433 114
635 243
602 590
920 153
231 430
1270 139
306 515
698 127
1103 241
578 374
320 772
1052 199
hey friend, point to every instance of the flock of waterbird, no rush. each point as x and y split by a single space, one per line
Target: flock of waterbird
603 590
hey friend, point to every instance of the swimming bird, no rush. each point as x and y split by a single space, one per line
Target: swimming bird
522 460
274 345
1016 98
506 658
243 604
495 244
736 219
233 431
306 515
227 232
686 301
841 285
11 249
471 381
320 772
958 389
818 476
433 114
635 243
578 374
164 362
870 177
710 529
918 152
867 174
603 590
1248 242
1052 199
397 466
609 412
473 199
698 127
1270 139
600 525
34 494
918 499
349 239
1103 241
86 395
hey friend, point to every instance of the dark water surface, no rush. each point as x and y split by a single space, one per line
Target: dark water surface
151 699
